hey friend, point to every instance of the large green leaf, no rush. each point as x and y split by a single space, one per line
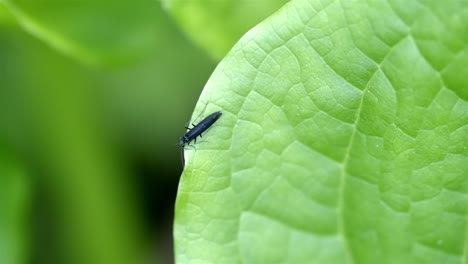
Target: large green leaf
216 25
344 139
95 32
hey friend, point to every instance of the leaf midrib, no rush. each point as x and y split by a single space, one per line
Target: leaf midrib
342 185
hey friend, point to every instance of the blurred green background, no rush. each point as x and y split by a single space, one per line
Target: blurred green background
92 102
94 96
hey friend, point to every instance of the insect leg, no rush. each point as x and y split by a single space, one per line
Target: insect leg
187 125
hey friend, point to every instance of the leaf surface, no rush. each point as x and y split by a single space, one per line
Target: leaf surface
344 139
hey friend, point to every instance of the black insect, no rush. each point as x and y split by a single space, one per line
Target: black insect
198 129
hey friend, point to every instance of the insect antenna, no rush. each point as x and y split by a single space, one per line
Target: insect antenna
198 116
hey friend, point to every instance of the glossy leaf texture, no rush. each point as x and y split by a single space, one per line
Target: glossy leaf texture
95 32
344 139
216 25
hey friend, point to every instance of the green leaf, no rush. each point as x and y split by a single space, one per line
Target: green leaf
58 111
5 15
344 139
88 201
217 25
95 32
14 202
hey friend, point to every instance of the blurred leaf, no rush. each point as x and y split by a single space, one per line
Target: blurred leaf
14 208
216 25
5 15
95 217
60 109
344 139
149 101
96 32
